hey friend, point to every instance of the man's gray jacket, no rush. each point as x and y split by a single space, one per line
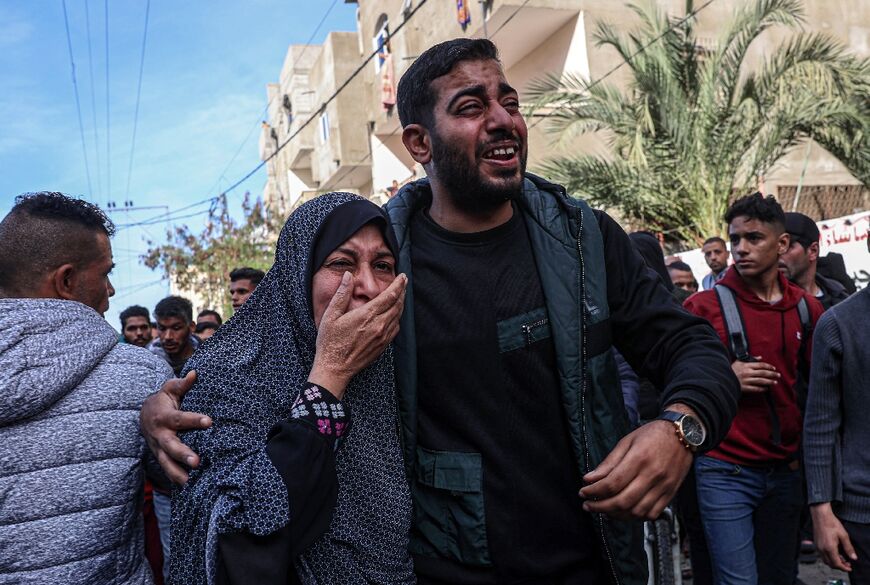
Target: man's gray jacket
71 461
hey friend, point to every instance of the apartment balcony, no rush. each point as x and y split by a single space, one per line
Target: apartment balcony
268 141
299 149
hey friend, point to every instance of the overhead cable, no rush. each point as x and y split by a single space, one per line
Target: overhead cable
93 103
72 64
108 121
247 137
322 107
138 97
341 88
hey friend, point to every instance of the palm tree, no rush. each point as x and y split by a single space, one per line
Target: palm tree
695 126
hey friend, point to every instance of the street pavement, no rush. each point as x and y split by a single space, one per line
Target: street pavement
819 573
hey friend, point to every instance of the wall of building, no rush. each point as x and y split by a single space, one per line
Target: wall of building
364 153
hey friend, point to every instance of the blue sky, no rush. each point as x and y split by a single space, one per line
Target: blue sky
203 94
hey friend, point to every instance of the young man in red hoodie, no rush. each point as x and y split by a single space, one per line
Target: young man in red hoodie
749 487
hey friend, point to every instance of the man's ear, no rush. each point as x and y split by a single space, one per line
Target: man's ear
63 281
192 327
783 243
813 251
417 142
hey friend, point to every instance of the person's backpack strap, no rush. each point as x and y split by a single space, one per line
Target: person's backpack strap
802 382
733 323
740 348
806 324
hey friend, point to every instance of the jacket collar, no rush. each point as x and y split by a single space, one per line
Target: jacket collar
545 210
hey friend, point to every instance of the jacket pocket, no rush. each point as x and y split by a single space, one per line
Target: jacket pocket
449 516
523 330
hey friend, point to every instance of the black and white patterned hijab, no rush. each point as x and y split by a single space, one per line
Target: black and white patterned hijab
248 375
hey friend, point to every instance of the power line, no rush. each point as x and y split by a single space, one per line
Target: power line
342 87
677 24
135 288
157 220
138 96
72 64
171 217
269 103
327 102
509 18
108 122
93 103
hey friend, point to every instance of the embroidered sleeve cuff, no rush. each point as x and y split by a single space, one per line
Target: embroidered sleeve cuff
318 408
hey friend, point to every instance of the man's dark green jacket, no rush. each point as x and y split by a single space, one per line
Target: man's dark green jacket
598 293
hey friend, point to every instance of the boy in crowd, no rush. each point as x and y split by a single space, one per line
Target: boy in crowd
136 326
175 328
749 487
243 281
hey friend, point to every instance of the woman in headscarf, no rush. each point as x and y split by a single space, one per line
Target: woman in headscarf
286 491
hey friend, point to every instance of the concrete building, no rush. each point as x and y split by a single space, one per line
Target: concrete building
354 143
326 147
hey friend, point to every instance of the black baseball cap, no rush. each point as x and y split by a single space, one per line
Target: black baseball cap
801 228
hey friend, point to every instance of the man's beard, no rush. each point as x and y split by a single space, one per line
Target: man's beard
463 181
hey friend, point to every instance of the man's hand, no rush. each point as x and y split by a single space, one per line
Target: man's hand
832 540
755 376
161 419
348 341
641 475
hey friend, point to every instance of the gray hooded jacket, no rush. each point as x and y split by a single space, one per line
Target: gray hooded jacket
71 472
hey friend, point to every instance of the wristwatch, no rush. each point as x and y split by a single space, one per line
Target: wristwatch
689 429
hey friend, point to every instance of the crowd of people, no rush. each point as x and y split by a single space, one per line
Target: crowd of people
486 381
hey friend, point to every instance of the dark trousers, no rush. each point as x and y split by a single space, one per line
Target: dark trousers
859 534
690 518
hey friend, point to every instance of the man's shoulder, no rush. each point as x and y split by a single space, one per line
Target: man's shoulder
813 304
704 301
833 289
138 365
855 307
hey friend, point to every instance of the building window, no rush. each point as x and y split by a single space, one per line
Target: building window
324 128
380 42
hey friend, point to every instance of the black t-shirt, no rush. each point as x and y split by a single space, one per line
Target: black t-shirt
479 394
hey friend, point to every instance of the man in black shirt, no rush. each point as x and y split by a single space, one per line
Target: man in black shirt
507 390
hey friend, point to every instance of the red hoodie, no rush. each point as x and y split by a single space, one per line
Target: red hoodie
773 332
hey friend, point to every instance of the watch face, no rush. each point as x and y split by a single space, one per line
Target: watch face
693 432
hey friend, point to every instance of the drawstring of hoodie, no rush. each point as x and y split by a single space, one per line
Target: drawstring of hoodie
775 427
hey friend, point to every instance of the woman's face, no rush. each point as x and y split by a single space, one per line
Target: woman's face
366 256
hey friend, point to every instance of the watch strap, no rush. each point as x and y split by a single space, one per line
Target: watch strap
671 415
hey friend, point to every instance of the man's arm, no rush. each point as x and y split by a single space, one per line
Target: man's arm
681 354
822 422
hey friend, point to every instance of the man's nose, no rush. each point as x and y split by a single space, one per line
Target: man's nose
109 288
498 118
